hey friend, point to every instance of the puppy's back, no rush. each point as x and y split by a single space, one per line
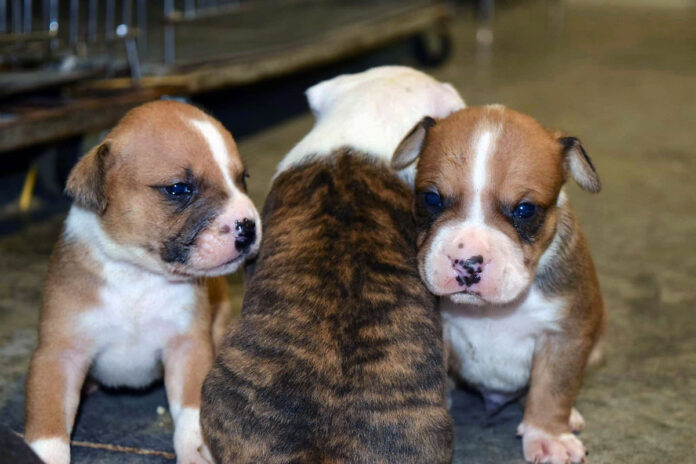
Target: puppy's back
337 357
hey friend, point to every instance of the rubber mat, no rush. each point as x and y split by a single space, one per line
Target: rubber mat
125 426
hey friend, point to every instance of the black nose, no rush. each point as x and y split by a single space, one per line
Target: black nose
246 234
468 270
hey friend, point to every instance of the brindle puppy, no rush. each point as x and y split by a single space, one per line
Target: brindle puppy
338 355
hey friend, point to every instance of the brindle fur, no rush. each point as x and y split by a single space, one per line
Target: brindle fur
338 354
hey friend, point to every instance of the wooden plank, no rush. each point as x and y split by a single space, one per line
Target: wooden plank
34 36
14 82
83 115
179 16
342 43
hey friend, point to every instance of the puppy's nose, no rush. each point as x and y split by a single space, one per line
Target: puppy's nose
468 270
246 234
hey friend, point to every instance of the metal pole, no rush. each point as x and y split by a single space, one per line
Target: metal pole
92 16
142 28
17 16
27 16
45 13
127 8
53 21
169 39
484 29
3 16
133 61
74 21
190 9
109 28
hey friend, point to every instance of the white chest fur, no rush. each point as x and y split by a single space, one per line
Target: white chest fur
495 346
138 314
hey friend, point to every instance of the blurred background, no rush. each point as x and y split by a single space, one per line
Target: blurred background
618 74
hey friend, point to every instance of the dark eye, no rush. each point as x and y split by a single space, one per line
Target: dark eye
525 211
433 200
180 189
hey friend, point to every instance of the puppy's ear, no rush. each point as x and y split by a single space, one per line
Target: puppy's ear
85 184
410 147
320 94
315 96
579 164
455 101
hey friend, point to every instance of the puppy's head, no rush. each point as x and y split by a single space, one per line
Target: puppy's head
168 187
385 90
371 111
487 192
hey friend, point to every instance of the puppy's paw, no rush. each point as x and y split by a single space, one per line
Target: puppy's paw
194 455
576 422
52 450
542 447
188 442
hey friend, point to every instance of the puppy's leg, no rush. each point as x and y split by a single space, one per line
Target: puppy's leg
576 421
54 383
556 377
187 360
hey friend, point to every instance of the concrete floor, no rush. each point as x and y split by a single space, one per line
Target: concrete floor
623 80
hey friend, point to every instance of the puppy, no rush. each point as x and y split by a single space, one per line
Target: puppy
499 243
158 206
338 355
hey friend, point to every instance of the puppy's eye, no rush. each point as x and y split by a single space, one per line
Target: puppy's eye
527 219
179 190
433 201
525 210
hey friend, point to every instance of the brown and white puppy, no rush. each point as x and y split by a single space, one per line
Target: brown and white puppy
499 243
159 206
338 355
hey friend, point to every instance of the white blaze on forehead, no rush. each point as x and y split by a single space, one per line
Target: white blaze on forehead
217 147
483 146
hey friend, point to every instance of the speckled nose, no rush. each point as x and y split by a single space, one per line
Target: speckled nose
468 270
246 234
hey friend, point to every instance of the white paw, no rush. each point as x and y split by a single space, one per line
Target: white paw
576 422
52 450
188 442
542 447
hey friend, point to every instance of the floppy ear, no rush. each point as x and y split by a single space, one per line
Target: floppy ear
410 147
579 164
86 180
